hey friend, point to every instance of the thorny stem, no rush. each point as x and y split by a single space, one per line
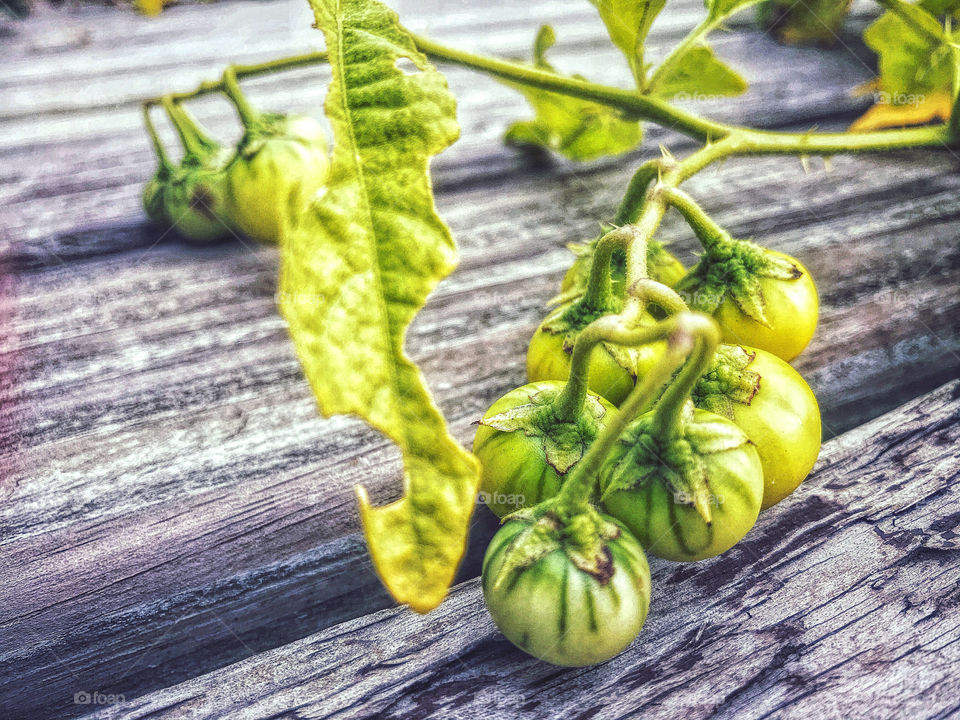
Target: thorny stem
158 148
666 416
231 88
681 332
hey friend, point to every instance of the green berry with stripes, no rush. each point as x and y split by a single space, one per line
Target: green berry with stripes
689 496
558 612
525 452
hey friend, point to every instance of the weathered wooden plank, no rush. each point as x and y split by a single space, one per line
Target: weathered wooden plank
174 467
89 149
179 505
841 602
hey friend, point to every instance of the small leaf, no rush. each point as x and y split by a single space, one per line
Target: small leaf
628 23
577 129
722 9
699 73
937 106
914 54
359 264
812 22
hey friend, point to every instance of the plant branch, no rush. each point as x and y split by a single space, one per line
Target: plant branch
209 87
577 488
643 107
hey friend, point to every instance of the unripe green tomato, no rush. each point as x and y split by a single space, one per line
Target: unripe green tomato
153 199
664 268
261 183
791 308
557 612
515 472
547 360
783 421
195 204
668 526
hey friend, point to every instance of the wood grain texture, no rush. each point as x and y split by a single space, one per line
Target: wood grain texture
842 602
172 502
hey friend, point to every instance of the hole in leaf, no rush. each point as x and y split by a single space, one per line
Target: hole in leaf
406 66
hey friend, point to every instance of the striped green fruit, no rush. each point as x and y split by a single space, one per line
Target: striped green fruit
559 613
690 497
525 462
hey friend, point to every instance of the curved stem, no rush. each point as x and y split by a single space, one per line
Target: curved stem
242 71
249 115
704 227
637 191
597 293
158 148
609 328
195 141
574 496
629 101
666 418
651 291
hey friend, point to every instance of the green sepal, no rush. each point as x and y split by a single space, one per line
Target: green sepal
584 538
564 443
676 461
729 380
734 268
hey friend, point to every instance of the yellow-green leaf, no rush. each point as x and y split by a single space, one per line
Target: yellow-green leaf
935 106
578 129
628 24
359 264
699 74
914 53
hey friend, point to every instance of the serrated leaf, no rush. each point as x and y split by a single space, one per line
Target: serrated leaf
699 73
628 24
914 54
359 264
578 129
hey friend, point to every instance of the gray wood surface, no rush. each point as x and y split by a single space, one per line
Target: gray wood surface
171 501
842 603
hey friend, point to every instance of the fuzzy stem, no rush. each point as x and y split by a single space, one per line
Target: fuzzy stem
666 418
682 332
158 148
249 115
708 232
574 496
195 141
210 87
666 298
569 403
637 191
597 293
